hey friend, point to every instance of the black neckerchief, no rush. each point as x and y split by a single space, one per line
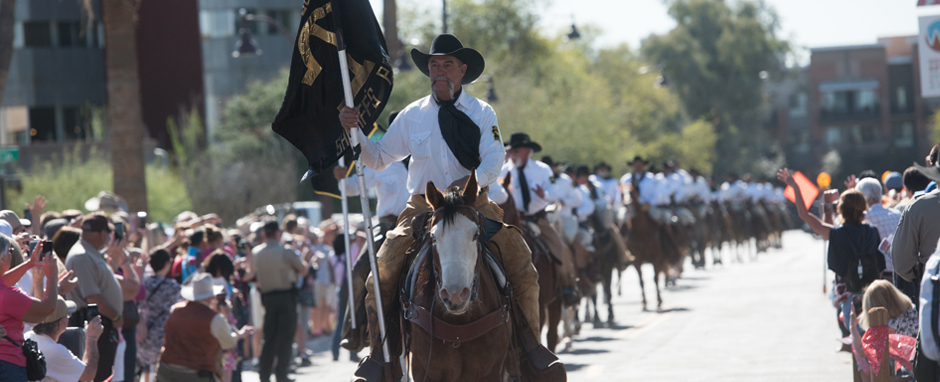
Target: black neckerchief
460 133
524 187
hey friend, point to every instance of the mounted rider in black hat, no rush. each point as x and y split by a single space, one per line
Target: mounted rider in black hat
448 134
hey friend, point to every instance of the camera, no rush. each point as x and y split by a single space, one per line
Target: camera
92 311
118 231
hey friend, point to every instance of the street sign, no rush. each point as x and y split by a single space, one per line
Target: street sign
9 154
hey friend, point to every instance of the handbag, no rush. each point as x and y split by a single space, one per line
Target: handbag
130 314
35 361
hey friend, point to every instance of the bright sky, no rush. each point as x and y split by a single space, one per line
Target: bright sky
806 23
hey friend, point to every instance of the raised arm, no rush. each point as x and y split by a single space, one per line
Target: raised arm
817 225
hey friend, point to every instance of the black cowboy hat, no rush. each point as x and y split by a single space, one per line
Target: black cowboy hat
522 140
638 159
602 165
448 45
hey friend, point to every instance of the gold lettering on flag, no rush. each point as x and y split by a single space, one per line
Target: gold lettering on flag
311 29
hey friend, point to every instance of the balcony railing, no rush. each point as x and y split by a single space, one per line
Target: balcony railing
866 114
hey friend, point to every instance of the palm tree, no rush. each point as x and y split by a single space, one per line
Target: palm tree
125 121
7 19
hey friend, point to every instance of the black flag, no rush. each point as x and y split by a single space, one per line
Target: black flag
309 116
325 182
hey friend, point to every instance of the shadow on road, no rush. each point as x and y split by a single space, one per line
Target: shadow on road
594 339
570 367
670 310
586 351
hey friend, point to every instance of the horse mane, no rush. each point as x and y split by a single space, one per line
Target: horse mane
453 198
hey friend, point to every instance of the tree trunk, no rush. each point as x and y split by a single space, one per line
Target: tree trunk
125 121
7 20
390 23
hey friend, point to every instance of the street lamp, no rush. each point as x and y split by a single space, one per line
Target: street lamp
491 95
247 46
574 34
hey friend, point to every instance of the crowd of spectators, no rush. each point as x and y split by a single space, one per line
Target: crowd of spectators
883 239
108 296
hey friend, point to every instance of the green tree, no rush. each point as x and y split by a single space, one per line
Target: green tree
713 60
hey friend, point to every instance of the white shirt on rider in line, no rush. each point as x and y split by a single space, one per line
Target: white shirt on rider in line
537 174
389 188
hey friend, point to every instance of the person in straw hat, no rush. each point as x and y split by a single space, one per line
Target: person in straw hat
196 334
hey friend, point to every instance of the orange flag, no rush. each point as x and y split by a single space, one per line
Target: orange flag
807 189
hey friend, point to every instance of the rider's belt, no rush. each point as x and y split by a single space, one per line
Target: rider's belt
457 333
537 216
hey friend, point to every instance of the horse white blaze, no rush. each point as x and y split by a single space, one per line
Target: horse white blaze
457 252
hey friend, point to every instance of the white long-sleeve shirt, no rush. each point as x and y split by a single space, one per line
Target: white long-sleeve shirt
537 174
611 188
389 187
567 193
586 208
698 187
650 189
417 132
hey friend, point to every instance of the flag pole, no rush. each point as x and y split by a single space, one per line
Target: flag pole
342 190
363 199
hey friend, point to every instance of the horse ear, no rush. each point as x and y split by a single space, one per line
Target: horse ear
471 190
434 197
507 180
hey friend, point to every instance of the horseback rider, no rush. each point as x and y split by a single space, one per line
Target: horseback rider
533 189
652 198
570 198
448 134
611 187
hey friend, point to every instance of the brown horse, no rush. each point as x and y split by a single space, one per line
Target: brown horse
645 241
550 303
457 315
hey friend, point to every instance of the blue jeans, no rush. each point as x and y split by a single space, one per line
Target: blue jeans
12 373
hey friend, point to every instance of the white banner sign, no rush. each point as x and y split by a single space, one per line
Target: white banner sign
928 47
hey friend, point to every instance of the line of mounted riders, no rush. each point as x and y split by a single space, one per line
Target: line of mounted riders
645 217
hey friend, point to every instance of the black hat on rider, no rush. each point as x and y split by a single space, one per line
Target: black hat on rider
602 165
448 45
548 160
638 159
582 170
518 140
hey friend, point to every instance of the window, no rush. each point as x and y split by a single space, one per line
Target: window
74 126
37 33
902 98
904 134
42 124
836 102
283 17
70 34
798 105
833 136
217 23
866 101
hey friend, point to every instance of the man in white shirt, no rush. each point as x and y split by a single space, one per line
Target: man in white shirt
610 184
652 194
566 192
389 188
61 364
448 134
531 186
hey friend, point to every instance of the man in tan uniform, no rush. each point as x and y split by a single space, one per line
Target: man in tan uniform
447 134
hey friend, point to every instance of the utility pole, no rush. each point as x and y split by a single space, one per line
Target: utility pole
390 23
444 14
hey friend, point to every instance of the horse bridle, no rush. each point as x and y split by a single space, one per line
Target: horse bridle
479 219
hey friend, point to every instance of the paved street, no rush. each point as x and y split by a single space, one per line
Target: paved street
761 320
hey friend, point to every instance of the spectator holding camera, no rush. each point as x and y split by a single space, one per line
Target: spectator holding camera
61 364
17 307
98 285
